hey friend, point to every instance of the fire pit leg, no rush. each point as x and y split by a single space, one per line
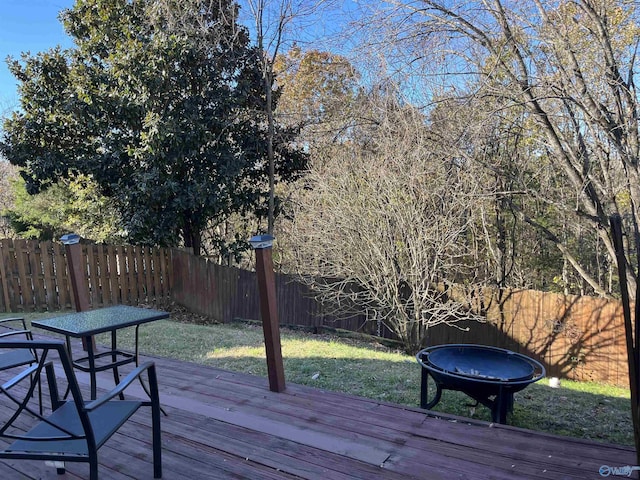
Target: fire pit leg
424 391
498 415
502 404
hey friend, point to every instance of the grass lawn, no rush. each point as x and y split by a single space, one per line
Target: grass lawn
585 410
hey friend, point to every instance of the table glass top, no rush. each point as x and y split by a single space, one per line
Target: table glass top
100 320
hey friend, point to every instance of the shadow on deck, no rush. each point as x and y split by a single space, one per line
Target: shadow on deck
224 425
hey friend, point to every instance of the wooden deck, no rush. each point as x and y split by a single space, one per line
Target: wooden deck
224 425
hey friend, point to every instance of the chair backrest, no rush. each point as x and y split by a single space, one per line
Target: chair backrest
15 328
19 389
11 324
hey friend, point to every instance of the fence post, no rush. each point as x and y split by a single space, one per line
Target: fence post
269 310
77 274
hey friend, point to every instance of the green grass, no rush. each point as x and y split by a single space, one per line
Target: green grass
584 410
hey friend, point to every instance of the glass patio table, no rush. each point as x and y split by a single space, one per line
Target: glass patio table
92 322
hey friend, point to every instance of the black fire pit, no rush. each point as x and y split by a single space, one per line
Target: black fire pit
489 375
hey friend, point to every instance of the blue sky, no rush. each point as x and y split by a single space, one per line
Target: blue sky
27 25
33 26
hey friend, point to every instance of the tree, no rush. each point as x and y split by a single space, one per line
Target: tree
318 94
8 174
272 22
571 66
159 116
70 205
385 229
507 163
317 90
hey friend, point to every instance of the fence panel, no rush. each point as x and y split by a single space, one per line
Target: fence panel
225 293
126 274
34 275
7 295
62 283
166 272
28 275
111 262
104 275
36 270
92 275
21 261
48 262
138 274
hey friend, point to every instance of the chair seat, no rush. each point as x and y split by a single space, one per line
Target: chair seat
16 358
75 429
105 420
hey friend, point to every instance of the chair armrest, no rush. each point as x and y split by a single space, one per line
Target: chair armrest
27 333
18 378
126 381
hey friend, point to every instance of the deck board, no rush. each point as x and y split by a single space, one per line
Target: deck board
227 425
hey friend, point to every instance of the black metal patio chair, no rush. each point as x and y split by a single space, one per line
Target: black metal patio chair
12 328
74 430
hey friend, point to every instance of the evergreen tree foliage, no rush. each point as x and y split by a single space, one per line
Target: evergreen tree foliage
164 115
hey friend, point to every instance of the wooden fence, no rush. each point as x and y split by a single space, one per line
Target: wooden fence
575 337
34 276
228 293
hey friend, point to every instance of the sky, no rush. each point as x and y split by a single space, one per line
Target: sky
33 26
27 25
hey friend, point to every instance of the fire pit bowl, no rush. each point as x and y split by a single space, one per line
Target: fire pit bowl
489 375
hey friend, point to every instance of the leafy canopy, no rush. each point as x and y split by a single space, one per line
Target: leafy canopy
159 103
70 205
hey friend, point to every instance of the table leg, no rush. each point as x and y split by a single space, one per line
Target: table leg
70 353
114 359
137 351
137 358
92 366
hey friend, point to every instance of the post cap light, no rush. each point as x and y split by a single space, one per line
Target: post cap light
70 239
262 241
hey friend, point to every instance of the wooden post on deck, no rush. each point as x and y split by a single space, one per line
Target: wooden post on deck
77 274
269 310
